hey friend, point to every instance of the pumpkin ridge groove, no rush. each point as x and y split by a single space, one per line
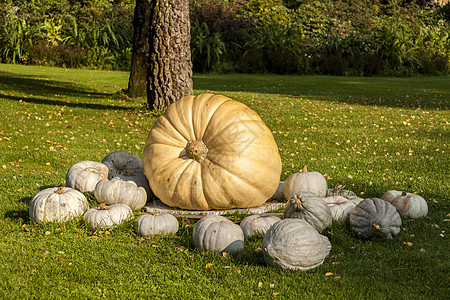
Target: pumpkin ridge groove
226 128
175 128
211 118
205 129
178 170
235 177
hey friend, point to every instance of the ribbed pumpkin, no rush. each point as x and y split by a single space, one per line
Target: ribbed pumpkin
85 175
120 161
57 204
257 224
117 190
216 233
153 224
210 152
107 215
294 244
309 207
312 182
129 167
407 204
375 219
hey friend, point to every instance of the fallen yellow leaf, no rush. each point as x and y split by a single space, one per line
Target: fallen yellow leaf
328 274
408 243
337 277
208 265
260 284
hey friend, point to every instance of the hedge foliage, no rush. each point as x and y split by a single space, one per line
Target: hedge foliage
337 37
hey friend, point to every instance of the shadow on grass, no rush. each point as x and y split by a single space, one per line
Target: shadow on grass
412 93
44 91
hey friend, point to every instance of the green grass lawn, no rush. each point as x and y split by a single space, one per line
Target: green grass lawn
370 134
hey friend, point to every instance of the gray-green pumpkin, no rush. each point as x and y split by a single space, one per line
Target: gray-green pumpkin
309 207
407 204
216 233
154 224
312 182
294 244
375 219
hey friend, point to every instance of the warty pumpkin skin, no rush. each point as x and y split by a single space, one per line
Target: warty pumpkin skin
57 204
210 152
216 233
375 219
312 182
407 204
117 190
294 244
120 161
309 207
85 175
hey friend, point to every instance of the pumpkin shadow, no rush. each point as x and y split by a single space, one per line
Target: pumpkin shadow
252 253
21 216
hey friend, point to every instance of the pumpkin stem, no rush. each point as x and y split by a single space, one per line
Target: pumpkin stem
304 169
103 206
298 201
338 188
376 226
91 169
60 190
196 150
127 173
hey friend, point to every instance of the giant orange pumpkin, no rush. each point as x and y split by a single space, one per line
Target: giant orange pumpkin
211 152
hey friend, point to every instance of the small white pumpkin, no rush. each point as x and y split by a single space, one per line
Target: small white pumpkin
408 205
340 207
153 224
85 175
312 182
129 167
294 244
57 204
107 216
117 190
257 224
309 207
217 233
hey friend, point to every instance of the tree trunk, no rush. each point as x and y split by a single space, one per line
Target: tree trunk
169 67
137 84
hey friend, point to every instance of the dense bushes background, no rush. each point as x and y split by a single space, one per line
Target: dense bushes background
71 33
338 37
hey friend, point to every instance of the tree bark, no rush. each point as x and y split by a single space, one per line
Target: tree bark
137 84
169 74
